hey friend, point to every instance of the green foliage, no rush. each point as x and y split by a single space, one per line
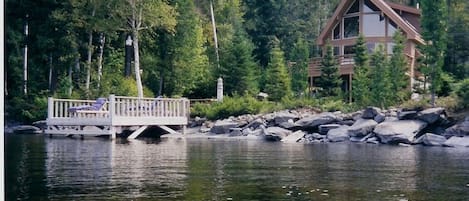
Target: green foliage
361 80
397 71
277 82
330 78
462 92
434 32
231 106
27 109
299 69
456 59
238 67
380 87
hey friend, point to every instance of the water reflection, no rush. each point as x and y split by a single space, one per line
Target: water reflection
198 169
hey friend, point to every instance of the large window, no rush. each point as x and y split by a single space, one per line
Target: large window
351 26
369 7
392 27
336 32
355 8
374 25
349 49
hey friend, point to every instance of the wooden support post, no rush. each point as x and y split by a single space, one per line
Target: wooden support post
350 88
136 133
50 107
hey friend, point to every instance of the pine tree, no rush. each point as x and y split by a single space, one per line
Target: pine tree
330 78
277 81
361 80
380 87
188 61
397 70
299 69
434 26
238 67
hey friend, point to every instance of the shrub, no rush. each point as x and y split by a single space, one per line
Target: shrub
231 106
462 91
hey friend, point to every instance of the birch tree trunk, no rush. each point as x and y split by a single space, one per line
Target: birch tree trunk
100 58
90 52
138 79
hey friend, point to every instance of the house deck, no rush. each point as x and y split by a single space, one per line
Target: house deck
117 115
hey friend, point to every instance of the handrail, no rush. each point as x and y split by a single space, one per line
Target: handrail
122 106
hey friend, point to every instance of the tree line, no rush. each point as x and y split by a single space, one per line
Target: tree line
76 48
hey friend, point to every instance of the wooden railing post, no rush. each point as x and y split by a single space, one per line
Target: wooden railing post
112 106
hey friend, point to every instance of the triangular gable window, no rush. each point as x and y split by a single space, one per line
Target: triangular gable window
355 8
369 7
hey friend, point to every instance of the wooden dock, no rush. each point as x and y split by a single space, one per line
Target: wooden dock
117 114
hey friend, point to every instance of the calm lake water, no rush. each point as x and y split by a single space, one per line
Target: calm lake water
41 168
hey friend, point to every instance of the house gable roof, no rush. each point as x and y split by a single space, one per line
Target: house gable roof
386 8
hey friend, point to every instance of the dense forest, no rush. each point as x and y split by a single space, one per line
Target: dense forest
78 48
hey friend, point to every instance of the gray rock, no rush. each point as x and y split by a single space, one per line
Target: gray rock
294 137
361 127
318 136
461 129
41 124
372 140
315 121
380 117
457 142
323 129
431 115
26 129
275 133
222 127
255 124
338 134
370 112
236 132
394 132
431 139
346 122
283 117
290 125
356 139
407 115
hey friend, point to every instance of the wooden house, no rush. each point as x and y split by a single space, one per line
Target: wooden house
377 20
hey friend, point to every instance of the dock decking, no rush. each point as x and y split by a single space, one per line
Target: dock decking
119 113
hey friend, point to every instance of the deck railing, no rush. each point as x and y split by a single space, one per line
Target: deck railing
120 106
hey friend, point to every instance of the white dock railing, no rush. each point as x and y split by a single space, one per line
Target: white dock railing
119 107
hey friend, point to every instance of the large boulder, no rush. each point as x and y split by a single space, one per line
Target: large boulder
315 121
461 129
361 127
283 117
223 127
431 139
290 125
407 115
457 141
338 134
26 129
323 129
393 132
294 137
431 115
255 123
275 133
380 117
370 112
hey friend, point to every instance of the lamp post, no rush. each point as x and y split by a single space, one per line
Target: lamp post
128 56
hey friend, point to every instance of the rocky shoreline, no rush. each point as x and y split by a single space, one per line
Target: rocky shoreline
430 127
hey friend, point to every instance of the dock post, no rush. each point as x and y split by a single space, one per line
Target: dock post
50 107
112 111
